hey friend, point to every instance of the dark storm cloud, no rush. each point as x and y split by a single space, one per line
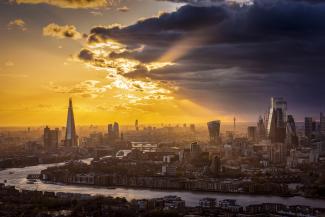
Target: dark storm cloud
268 48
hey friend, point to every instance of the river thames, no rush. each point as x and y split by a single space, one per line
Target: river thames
17 177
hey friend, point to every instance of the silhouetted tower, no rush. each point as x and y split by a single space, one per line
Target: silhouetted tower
136 125
71 139
234 125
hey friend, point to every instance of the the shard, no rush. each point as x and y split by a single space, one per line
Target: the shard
71 139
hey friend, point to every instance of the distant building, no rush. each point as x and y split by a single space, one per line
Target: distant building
71 138
291 134
51 138
169 170
322 124
276 127
195 147
252 133
214 131
113 131
116 130
144 146
192 128
95 139
208 202
136 125
308 127
261 129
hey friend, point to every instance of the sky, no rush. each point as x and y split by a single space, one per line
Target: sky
159 61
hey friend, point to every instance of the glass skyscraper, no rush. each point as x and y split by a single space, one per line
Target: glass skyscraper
71 139
276 126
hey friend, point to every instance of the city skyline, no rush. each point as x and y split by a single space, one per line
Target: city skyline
170 61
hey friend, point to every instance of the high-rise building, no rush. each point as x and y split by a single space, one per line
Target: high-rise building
71 138
291 134
322 123
116 130
261 129
51 138
136 125
252 133
308 127
276 128
214 131
234 125
113 130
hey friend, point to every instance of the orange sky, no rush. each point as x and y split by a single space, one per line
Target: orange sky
39 72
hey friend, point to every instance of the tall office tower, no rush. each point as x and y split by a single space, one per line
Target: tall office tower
261 130
252 133
136 125
276 128
51 138
110 130
308 127
214 131
71 138
116 130
234 125
322 124
291 133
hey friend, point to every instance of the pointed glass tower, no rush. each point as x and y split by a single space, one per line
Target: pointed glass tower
71 139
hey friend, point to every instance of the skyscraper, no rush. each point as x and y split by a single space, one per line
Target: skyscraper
136 125
261 129
308 127
276 128
291 134
214 131
322 124
116 130
252 133
71 138
113 131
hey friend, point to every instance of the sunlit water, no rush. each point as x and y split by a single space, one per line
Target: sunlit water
17 177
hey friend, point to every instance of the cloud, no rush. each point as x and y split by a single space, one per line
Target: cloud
231 54
88 88
9 63
213 2
123 9
73 4
57 31
17 24
96 13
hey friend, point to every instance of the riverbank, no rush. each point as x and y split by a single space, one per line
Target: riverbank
171 190
18 179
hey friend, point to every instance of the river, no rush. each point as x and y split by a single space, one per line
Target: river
17 177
